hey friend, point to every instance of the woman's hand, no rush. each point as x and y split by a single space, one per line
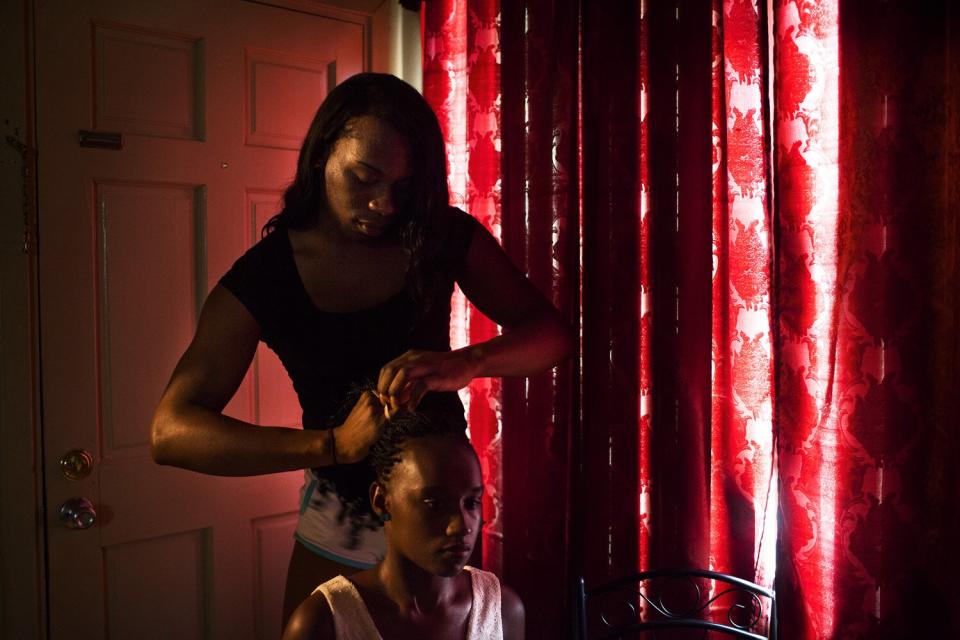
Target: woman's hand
359 431
404 380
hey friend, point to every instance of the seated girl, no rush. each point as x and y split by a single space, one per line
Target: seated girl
427 494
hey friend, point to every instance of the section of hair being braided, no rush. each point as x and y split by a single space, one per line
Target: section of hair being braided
351 482
385 452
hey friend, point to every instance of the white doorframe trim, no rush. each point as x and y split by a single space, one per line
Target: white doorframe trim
395 43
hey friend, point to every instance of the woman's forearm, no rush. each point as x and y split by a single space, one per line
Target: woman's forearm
200 439
527 349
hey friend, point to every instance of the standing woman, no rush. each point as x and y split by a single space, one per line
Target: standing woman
351 283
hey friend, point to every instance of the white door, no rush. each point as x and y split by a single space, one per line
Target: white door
211 99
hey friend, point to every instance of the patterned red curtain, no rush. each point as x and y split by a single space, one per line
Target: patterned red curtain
743 527
542 232
461 80
868 152
749 209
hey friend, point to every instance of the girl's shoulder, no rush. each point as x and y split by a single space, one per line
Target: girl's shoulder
313 619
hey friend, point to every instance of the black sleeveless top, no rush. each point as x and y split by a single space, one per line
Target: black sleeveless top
328 354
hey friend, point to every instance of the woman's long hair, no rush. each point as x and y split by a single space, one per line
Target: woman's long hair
423 218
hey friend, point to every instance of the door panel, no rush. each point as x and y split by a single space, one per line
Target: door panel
274 400
212 100
147 81
170 571
282 91
149 265
271 539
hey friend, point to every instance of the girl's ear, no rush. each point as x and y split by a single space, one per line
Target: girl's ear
378 499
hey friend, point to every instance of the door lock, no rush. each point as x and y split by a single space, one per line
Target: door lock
78 513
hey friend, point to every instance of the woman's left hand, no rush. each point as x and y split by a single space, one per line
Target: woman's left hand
404 381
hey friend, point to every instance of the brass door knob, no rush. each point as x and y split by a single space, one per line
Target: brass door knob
76 464
78 513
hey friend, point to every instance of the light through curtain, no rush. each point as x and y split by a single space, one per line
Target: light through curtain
750 210
461 80
743 482
533 212
867 158
812 459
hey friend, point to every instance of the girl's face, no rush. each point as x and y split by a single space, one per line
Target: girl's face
367 178
433 498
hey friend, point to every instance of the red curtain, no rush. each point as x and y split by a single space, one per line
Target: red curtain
867 161
461 80
542 209
749 210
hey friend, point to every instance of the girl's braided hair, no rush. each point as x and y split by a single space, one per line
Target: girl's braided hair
351 482
385 452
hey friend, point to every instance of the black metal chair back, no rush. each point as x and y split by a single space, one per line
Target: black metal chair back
658 604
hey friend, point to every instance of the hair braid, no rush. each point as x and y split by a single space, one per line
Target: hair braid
385 452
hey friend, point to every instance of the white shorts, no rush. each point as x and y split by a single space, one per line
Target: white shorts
326 527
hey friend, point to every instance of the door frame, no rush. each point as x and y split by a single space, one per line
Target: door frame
22 571
391 44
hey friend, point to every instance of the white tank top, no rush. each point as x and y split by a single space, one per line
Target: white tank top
352 621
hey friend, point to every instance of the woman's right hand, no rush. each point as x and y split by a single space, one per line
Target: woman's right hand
359 431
